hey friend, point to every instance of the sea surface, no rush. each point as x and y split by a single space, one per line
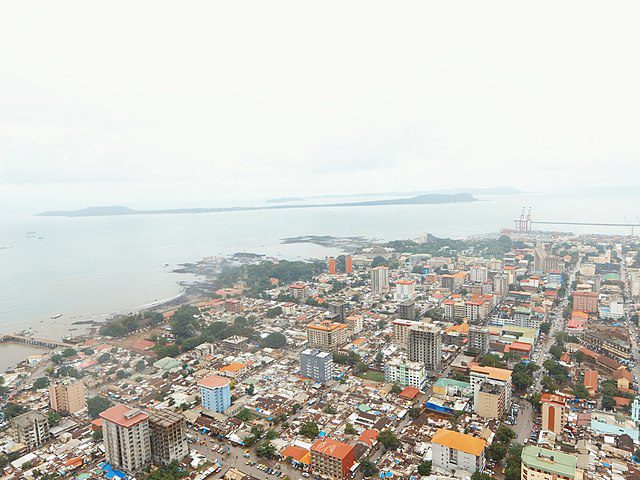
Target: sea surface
89 268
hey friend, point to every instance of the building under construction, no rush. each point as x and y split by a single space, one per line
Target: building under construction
168 436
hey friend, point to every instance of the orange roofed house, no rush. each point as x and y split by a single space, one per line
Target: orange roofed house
331 459
591 381
126 437
454 451
327 335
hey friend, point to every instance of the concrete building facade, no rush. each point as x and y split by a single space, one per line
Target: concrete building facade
425 344
168 436
452 451
67 396
125 433
215 392
31 429
316 364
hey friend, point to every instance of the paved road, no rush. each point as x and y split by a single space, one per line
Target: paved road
237 460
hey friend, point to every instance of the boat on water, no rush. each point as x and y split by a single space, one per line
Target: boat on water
58 315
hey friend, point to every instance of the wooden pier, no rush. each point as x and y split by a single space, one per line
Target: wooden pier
36 342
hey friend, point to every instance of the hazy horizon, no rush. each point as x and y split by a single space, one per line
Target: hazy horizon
202 105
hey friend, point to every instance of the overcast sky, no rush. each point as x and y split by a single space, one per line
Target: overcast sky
189 103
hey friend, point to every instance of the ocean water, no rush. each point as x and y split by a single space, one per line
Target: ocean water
88 268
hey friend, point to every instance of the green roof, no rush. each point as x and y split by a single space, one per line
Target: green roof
449 382
550 461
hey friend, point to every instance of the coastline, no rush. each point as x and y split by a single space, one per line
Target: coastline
18 353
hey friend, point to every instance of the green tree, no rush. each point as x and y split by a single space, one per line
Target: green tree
140 365
388 439
368 468
96 405
504 434
497 451
481 476
69 352
578 357
184 323
545 327
491 360
12 410
309 430
274 340
424 468
396 389
53 419
40 383
608 403
104 358
349 430
266 450
274 312
57 358
378 261
580 391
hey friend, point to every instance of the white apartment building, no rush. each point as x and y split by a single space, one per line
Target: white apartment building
405 290
405 373
380 279
478 274
453 451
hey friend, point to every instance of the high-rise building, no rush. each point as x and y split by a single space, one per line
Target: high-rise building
355 322
317 365
452 451
339 308
168 432
299 291
407 310
490 402
544 464
327 335
554 412
31 429
479 339
425 344
405 290
380 279
332 265
408 374
585 302
215 392
67 396
125 433
348 264
501 284
478 273
401 332
331 459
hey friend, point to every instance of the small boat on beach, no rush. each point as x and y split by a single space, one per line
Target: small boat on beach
58 315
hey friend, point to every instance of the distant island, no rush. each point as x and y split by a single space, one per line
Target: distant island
426 199
285 199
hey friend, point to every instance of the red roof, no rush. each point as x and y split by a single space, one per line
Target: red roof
143 344
332 448
124 416
213 381
368 436
409 392
591 381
